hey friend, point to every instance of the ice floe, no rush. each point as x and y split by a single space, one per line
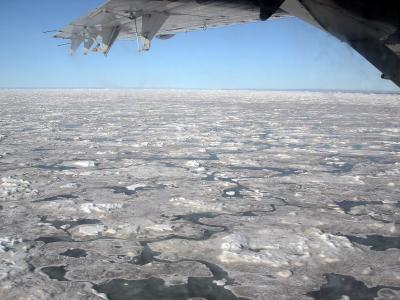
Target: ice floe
15 189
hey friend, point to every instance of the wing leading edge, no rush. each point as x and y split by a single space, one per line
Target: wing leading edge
143 20
371 27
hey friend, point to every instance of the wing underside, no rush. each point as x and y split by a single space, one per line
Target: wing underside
371 27
141 19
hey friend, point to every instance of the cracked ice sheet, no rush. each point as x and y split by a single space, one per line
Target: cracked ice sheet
258 191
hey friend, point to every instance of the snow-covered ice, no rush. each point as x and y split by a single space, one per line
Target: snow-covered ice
246 195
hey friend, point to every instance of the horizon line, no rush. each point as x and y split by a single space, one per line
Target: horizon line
316 90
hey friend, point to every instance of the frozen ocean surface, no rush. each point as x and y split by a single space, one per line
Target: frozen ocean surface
199 195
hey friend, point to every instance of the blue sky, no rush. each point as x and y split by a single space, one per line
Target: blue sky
279 54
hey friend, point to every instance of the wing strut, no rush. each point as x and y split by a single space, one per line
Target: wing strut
151 24
109 36
75 43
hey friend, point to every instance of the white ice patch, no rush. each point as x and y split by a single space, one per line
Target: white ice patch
7 242
160 227
143 144
99 207
281 247
389 172
354 180
283 156
133 187
192 164
196 205
85 230
15 189
109 152
72 185
235 248
85 163
285 273
221 282
136 226
61 205
234 243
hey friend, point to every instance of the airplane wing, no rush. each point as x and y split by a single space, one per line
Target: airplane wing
371 27
144 20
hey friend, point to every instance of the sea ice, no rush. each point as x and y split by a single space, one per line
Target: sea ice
232 192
